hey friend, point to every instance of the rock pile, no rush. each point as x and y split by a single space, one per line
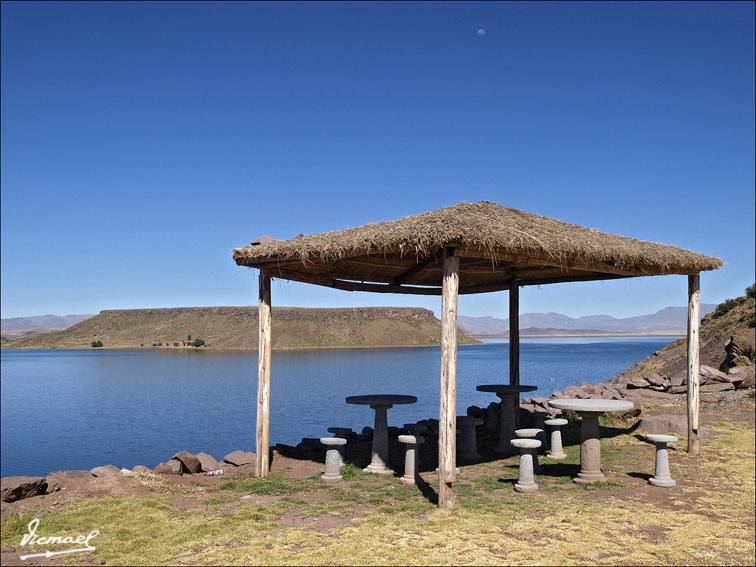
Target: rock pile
711 380
185 462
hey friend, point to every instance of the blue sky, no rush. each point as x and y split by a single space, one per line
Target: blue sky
141 142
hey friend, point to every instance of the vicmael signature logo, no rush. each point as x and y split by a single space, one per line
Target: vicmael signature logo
32 538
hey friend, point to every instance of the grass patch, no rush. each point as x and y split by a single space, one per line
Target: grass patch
268 485
351 470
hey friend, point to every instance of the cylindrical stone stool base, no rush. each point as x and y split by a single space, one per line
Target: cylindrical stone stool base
557 452
661 475
589 477
526 481
333 458
332 477
532 433
526 487
342 432
469 447
411 458
665 482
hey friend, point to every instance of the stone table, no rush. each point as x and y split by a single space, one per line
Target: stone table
590 443
380 403
508 422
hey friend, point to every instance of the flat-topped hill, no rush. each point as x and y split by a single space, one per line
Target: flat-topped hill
237 328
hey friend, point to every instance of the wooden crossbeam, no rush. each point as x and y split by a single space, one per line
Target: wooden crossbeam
416 270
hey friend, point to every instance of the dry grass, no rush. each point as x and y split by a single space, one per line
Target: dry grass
707 519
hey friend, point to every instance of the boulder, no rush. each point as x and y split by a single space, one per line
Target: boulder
611 394
173 466
571 391
668 423
557 395
207 462
528 408
492 415
741 361
367 431
718 387
105 470
239 458
53 485
745 374
191 463
475 411
678 389
655 379
678 379
141 469
638 383
14 488
69 475
710 375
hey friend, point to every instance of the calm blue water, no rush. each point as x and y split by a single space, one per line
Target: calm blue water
79 409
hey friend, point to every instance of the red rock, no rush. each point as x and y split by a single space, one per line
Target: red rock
239 458
191 463
718 387
14 488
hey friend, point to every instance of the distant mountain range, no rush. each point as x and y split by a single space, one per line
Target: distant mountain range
669 319
15 325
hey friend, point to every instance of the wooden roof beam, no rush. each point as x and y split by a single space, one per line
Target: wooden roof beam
416 270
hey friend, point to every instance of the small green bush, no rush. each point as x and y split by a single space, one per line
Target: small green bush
96 344
198 343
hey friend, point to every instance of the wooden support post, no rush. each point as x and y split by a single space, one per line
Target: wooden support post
447 426
514 344
694 320
514 334
262 462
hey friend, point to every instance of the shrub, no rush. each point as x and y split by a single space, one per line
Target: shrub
198 343
96 344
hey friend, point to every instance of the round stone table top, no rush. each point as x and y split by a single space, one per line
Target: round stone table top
528 433
659 438
591 405
506 388
526 443
332 441
381 399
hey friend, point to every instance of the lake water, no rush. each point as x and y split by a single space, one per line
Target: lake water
79 409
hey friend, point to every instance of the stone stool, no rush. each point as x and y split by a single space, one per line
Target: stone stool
557 452
411 458
538 423
661 475
466 426
526 481
342 432
332 473
531 434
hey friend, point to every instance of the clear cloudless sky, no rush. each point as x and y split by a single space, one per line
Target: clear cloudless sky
142 141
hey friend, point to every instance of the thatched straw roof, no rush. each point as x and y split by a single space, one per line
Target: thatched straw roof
494 243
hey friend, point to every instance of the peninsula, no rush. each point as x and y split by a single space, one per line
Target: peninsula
236 328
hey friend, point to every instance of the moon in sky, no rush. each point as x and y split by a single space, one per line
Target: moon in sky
481 31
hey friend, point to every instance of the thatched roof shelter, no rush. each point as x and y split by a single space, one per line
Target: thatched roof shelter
495 244
467 248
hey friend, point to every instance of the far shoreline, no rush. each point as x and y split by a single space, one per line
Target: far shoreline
578 334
